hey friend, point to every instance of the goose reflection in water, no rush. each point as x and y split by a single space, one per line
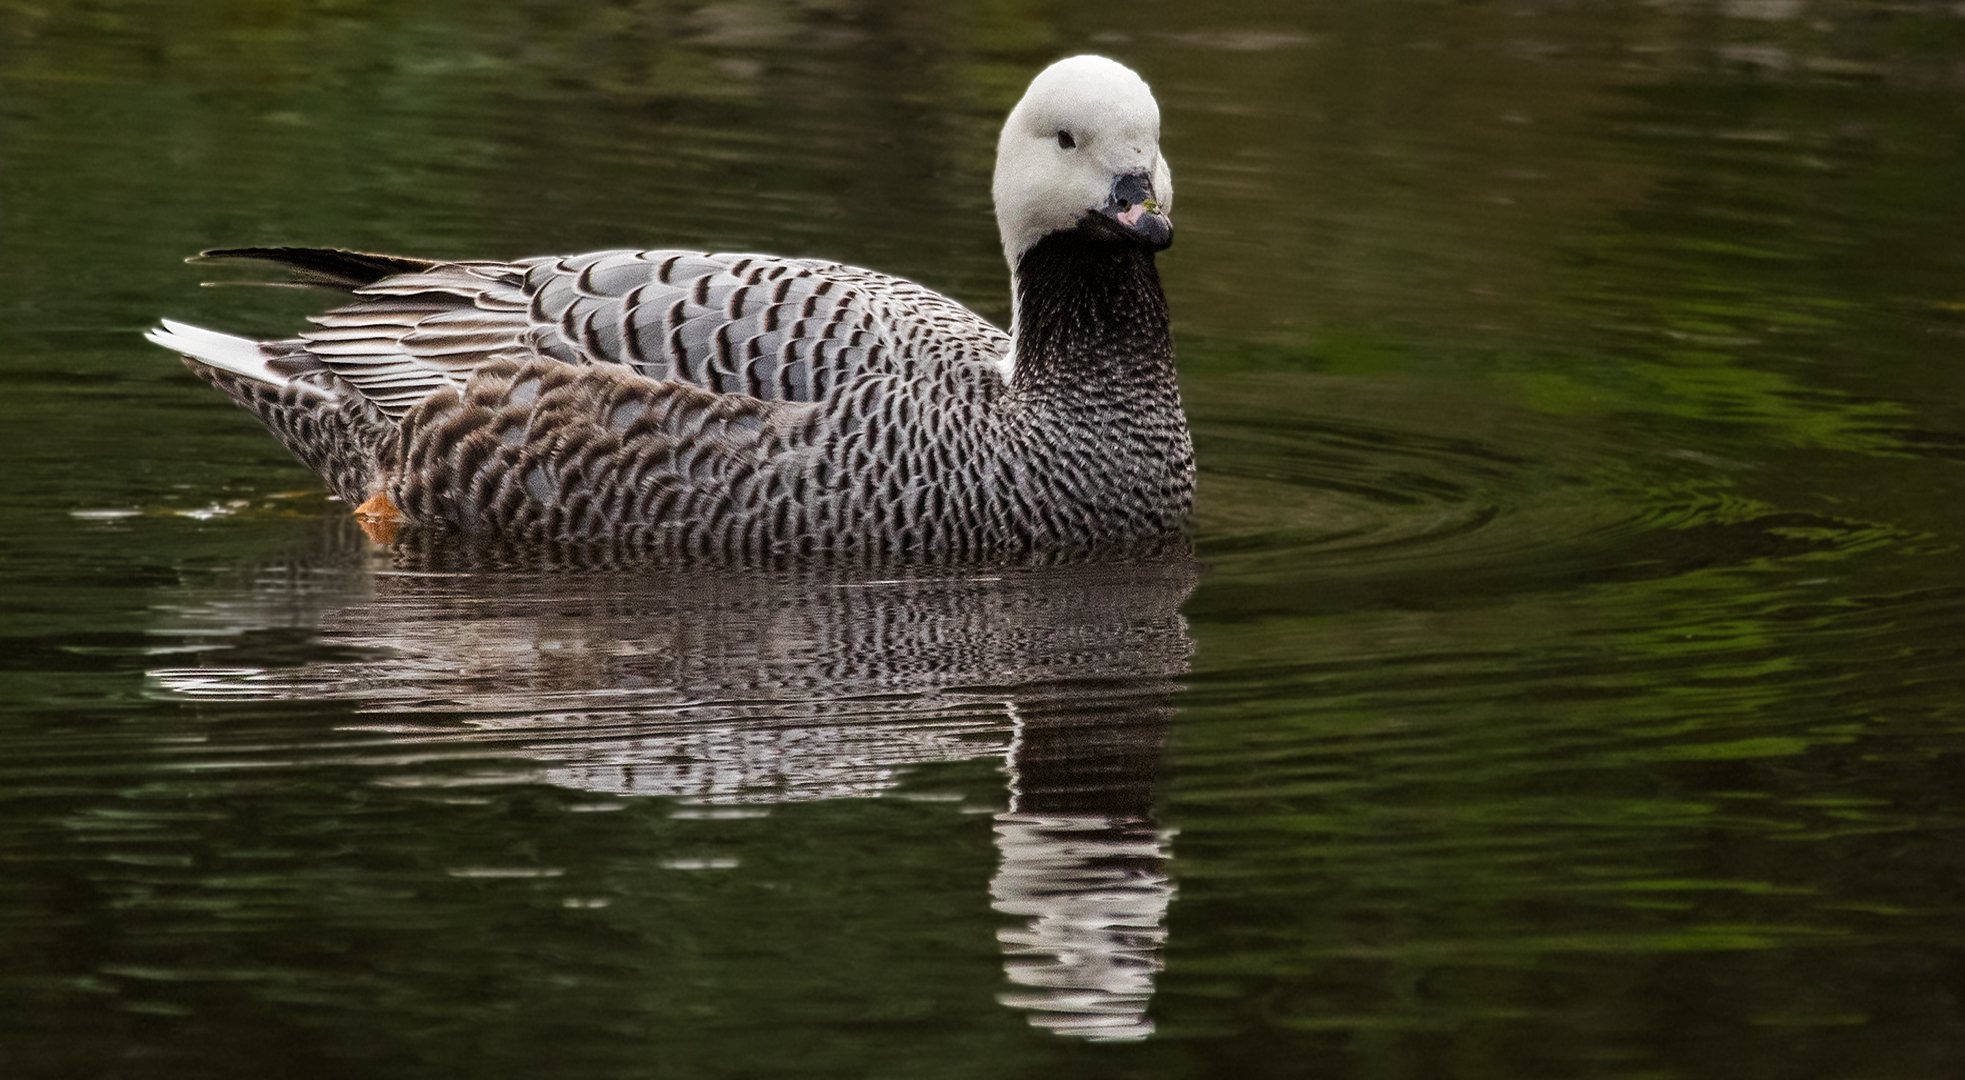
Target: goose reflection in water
770 688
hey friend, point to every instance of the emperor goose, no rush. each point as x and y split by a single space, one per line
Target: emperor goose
752 408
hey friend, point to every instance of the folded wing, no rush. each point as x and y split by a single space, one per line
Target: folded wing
764 327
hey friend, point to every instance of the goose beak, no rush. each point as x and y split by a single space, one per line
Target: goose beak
1135 210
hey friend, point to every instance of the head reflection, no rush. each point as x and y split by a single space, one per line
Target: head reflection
776 688
1083 860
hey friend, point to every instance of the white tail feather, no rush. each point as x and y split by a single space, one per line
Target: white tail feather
240 356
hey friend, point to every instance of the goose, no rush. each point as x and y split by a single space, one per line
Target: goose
743 407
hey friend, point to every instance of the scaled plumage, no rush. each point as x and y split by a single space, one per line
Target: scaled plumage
754 408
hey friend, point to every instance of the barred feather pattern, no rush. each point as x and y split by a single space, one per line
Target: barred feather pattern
747 409
339 435
770 328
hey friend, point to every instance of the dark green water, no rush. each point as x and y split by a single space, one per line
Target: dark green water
1572 687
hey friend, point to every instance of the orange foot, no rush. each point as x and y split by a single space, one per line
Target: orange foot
380 519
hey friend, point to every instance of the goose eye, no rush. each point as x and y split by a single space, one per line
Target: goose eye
1065 141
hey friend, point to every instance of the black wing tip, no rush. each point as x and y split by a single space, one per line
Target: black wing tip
332 267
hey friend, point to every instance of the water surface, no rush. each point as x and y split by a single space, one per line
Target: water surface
1569 684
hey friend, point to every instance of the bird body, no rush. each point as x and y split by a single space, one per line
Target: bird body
748 408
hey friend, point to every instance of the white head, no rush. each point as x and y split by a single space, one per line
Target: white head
1084 125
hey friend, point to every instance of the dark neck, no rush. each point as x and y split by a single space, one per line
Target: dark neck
1090 316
